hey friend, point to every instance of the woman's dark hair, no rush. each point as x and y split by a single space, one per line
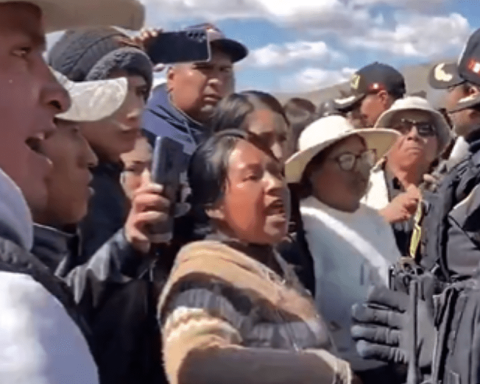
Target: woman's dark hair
207 172
300 113
233 110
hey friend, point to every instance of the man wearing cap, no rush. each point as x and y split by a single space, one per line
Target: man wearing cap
374 89
104 279
449 220
461 105
181 109
40 330
97 54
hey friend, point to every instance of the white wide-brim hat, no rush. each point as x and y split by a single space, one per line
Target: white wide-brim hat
93 100
66 14
327 131
418 104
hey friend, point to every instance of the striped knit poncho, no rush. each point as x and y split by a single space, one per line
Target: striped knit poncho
228 318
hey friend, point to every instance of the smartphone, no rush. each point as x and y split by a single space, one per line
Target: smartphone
167 162
167 165
180 47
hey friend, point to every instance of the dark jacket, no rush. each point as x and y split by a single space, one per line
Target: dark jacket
120 307
113 265
162 119
450 229
107 211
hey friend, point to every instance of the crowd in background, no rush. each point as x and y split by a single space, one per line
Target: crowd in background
302 244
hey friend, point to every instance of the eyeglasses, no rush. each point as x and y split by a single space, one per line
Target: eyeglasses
348 161
424 128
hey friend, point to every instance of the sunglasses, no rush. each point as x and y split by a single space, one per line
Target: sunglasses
348 161
424 128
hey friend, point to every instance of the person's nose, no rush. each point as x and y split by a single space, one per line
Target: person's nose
90 159
413 134
53 94
135 114
278 151
274 184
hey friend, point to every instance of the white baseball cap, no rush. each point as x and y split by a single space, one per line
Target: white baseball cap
93 100
65 14
327 131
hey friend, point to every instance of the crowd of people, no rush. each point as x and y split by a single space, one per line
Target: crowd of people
337 243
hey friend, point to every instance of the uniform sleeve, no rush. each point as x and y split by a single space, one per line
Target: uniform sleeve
39 342
202 343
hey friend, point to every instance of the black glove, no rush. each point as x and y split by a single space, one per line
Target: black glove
382 329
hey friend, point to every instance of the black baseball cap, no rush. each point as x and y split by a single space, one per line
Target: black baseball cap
469 61
373 78
444 75
236 50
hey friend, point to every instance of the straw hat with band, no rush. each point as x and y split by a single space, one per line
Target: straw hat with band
63 14
444 132
93 100
327 131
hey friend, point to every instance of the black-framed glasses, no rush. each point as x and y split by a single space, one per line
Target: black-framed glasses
424 128
348 161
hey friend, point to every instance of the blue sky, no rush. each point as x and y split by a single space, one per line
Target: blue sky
304 45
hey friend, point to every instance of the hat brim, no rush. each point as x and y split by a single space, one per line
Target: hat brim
470 102
346 104
381 140
237 51
444 76
66 14
93 100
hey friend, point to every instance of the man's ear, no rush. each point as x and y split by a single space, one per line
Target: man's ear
385 98
170 78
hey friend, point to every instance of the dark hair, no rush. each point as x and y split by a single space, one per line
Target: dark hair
207 171
233 110
300 113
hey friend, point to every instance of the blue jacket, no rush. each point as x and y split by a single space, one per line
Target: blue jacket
162 119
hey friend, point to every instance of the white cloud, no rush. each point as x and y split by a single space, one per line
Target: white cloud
311 79
416 35
278 55
324 15
418 5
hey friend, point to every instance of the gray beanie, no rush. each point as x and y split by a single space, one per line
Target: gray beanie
94 53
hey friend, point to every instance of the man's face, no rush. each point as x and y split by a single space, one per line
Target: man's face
197 88
69 182
371 107
463 121
118 133
418 146
30 98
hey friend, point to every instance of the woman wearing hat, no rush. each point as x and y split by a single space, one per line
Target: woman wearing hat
394 182
351 245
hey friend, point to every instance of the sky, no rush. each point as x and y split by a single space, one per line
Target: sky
304 45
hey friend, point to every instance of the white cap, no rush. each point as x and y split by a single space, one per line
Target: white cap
93 100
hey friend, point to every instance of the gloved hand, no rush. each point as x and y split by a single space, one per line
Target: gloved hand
382 332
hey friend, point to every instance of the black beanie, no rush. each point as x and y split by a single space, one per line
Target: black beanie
94 53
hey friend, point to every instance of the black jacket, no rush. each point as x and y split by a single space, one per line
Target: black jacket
107 211
115 294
